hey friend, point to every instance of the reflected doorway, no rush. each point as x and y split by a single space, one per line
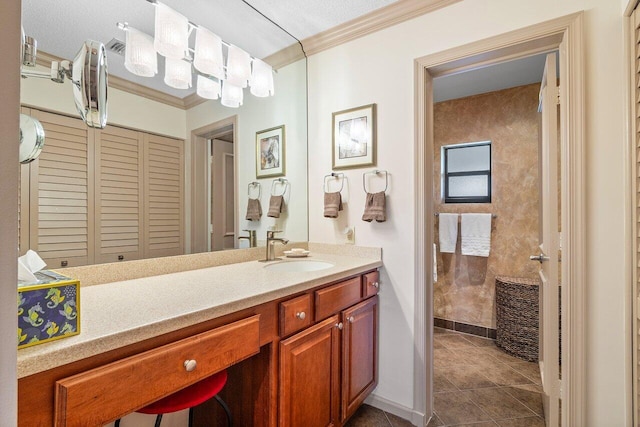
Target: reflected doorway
221 189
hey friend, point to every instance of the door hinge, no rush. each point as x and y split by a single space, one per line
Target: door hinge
558 96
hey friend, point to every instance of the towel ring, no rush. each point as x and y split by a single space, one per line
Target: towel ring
336 175
281 181
254 184
376 172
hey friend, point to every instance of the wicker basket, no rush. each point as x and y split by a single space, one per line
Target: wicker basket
517 317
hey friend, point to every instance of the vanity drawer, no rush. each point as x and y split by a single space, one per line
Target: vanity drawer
295 314
334 298
370 284
101 395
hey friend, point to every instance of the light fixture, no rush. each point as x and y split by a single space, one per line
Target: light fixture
261 81
177 73
215 79
140 56
208 88
172 33
238 66
207 57
232 95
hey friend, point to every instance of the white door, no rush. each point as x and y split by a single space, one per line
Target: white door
549 248
222 196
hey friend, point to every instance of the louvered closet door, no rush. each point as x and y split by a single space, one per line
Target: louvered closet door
62 193
163 196
119 207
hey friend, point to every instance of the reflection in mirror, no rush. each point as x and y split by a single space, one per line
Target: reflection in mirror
170 168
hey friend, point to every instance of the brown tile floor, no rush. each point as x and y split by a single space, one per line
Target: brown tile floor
475 384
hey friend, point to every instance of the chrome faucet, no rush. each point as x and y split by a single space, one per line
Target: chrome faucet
271 255
251 238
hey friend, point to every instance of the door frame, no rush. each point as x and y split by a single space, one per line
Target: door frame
542 37
201 182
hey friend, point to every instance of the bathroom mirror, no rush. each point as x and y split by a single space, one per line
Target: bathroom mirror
148 106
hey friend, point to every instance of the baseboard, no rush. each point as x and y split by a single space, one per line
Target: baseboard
416 418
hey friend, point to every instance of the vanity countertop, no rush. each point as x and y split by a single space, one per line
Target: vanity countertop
120 313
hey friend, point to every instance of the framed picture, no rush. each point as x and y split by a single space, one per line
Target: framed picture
270 152
354 137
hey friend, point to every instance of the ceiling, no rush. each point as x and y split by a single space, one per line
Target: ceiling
61 26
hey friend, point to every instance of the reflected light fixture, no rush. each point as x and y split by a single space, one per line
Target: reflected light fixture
232 95
261 81
208 88
171 33
140 56
215 79
177 73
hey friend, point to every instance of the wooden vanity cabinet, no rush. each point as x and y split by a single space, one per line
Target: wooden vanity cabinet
328 369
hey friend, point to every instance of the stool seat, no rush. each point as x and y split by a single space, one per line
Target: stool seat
188 397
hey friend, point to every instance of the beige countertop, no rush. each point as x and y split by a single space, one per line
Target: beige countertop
124 312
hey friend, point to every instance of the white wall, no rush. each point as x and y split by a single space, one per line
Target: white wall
379 68
124 109
287 107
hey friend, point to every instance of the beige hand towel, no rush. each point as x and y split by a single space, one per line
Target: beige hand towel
374 207
332 204
254 210
275 206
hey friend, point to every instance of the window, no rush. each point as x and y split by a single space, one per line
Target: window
466 173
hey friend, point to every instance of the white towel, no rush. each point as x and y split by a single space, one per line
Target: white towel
476 234
448 231
435 264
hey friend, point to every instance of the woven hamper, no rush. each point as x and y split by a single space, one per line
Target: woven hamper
517 317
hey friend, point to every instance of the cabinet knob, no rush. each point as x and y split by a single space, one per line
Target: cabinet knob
301 315
190 365
351 319
339 325
375 284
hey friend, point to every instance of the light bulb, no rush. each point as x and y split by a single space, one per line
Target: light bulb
208 88
140 57
171 32
208 57
232 95
261 79
177 73
238 66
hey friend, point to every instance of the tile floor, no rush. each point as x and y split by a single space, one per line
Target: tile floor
475 384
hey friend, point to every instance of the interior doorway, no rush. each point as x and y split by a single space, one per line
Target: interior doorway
222 194
564 35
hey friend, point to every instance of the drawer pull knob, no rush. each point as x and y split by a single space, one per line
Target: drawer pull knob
375 284
339 325
351 319
301 315
190 365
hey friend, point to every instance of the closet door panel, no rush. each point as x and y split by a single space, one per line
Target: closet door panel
61 193
119 209
163 196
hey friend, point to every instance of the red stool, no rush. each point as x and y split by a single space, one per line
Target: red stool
189 397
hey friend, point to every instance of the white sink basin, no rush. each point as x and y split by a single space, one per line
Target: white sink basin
298 266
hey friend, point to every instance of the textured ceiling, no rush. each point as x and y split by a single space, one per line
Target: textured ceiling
61 26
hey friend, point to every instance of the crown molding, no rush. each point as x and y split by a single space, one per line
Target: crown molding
192 100
286 56
385 17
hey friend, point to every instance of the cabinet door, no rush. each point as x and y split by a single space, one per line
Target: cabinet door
359 354
61 187
163 196
118 194
309 375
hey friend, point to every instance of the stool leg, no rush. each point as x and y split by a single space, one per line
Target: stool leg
158 420
117 423
226 409
191 417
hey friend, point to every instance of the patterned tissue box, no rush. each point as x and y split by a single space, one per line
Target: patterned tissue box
48 309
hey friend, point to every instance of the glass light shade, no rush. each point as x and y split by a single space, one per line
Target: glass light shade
177 73
171 32
140 57
231 95
208 88
238 66
208 53
261 79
